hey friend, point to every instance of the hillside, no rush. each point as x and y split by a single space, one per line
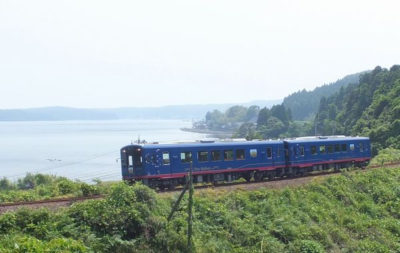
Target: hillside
304 104
352 212
371 108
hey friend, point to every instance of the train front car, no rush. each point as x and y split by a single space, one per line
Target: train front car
321 153
167 165
132 162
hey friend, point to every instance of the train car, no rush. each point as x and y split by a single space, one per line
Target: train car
166 165
321 153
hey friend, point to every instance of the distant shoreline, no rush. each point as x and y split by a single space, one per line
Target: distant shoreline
214 133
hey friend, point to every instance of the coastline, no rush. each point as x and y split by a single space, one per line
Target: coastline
211 133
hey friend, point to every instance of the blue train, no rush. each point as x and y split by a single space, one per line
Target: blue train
166 165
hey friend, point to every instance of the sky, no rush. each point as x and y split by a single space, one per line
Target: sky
97 54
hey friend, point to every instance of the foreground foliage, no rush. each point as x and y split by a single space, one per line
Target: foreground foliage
40 186
387 155
353 212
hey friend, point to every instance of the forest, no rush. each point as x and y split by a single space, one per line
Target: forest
362 104
371 108
304 104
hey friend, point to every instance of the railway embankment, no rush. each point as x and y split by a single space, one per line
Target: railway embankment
357 211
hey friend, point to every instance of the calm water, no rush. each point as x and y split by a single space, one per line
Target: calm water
81 150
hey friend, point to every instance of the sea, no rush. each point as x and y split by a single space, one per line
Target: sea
79 150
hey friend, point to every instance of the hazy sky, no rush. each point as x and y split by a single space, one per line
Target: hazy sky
84 53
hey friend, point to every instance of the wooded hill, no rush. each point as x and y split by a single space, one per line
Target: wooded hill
304 104
370 108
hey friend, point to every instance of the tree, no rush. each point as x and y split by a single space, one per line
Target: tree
263 116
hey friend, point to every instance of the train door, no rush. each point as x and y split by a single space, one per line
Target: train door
134 160
287 153
166 162
269 155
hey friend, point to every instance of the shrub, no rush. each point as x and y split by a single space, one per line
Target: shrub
88 190
308 246
5 184
66 187
386 155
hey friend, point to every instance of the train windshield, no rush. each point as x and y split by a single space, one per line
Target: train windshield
135 158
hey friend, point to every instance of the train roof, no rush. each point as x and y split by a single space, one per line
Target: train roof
241 142
326 139
210 144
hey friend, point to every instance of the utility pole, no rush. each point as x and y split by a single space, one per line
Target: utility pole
189 184
190 208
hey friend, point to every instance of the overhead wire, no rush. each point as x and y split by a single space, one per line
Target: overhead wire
65 165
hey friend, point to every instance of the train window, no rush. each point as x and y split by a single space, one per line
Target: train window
269 153
240 154
313 150
330 149
361 147
253 153
165 158
301 148
202 156
344 147
130 161
322 149
352 147
186 157
337 148
228 155
215 155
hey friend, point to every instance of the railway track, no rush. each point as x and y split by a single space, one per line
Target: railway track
50 203
273 183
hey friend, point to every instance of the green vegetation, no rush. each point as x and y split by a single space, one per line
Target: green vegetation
304 104
274 123
371 108
279 121
229 120
352 212
40 186
368 107
387 155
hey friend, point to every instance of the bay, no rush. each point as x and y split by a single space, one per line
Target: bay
83 150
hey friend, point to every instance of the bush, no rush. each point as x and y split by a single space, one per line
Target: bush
66 187
308 246
89 190
23 243
386 155
5 184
